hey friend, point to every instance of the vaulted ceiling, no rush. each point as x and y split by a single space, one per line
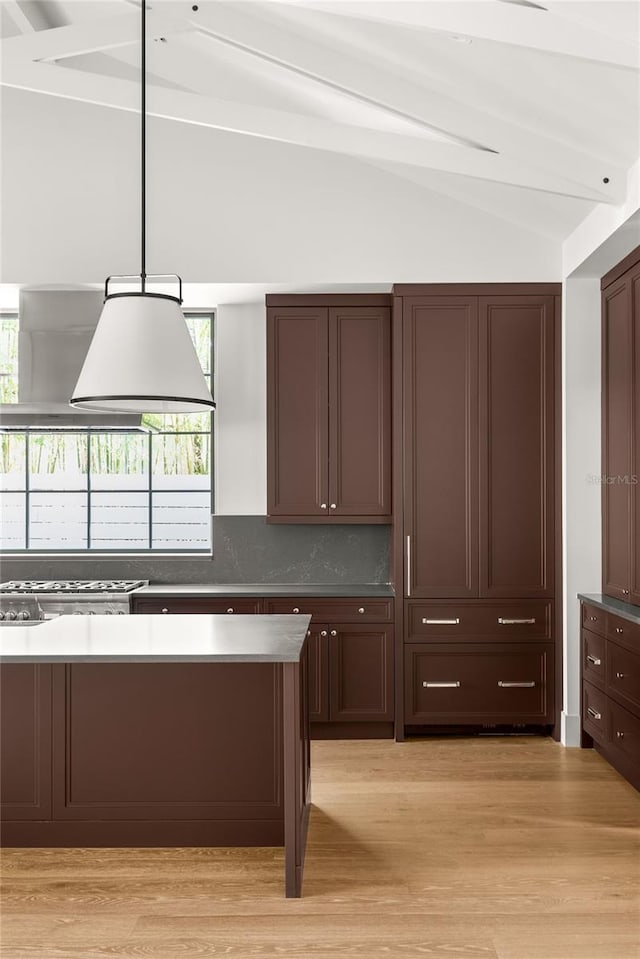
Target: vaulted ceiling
529 111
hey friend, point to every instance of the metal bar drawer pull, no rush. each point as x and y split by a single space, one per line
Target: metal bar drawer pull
440 685
594 713
515 622
441 622
594 660
506 685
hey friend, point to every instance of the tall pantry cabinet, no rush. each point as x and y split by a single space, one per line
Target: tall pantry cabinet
476 489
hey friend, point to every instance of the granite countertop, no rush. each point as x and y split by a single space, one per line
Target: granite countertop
156 639
265 589
611 605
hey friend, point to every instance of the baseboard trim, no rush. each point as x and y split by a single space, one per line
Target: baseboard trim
571 724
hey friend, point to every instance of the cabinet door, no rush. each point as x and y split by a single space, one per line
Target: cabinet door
440 401
25 741
617 358
517 446
318 674
359 411
361 671
634 592
297 411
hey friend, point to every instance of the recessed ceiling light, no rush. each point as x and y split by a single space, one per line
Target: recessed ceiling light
461 39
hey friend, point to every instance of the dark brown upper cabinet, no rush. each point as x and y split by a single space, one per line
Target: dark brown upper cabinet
621 433
328 409
478 424
517 473
440 384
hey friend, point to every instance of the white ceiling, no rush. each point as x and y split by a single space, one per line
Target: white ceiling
518 111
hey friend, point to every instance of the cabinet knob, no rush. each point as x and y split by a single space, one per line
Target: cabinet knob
619 630
323 505
164 609
619 675
230 610
333 506
323 632
334 632
619 734
296 609
593 619
361 610
594 713
625 592
593 660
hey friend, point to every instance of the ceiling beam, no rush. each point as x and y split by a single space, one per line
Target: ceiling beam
60 43
505 22
286 127
370 82
18 16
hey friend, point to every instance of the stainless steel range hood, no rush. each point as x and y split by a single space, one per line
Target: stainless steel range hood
55 329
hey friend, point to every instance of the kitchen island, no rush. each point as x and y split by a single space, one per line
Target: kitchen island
156 731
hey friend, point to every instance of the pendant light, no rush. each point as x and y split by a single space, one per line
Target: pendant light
142 358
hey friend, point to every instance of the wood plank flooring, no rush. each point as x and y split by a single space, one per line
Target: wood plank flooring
447 848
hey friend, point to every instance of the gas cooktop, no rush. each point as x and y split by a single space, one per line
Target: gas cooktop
72 586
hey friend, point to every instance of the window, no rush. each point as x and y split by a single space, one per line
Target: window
101 492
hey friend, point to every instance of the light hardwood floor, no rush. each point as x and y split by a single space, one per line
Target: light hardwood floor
492 848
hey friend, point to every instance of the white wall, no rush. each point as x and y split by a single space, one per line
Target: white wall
581 470
240 417
229 208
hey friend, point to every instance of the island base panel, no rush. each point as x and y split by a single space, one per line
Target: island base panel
133 834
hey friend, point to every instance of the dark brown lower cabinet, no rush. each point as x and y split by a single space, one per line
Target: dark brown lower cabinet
142 754
490 684
611 689
351 674
361 674
25 741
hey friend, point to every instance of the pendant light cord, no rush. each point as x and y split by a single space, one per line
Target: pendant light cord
143 149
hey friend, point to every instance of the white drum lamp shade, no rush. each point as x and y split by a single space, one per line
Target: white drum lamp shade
142 359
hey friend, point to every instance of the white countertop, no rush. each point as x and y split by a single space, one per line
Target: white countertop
157 639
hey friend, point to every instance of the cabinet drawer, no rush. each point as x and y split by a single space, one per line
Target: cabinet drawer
623 631
593 658
335 610
625 732
595 712
490 684
484 622
197 605
593 618
623 674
